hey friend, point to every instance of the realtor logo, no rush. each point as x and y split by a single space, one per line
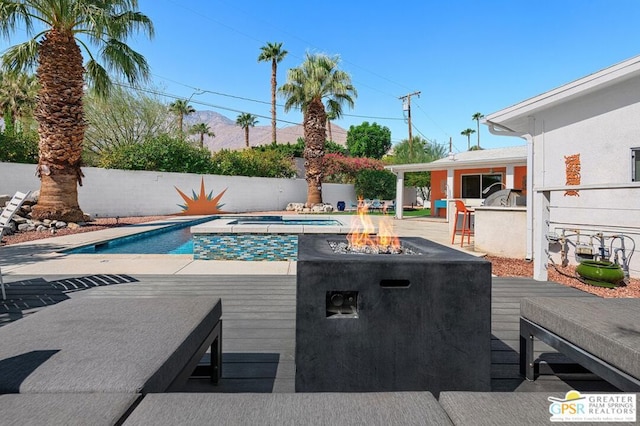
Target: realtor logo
576 407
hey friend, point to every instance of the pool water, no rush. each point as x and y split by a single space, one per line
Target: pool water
175 239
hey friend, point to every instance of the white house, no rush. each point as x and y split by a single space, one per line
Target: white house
583 166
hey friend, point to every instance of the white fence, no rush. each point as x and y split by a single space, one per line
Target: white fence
110 193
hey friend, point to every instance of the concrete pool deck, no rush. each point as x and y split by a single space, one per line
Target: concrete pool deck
43 257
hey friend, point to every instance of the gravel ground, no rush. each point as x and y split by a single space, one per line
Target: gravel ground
501 267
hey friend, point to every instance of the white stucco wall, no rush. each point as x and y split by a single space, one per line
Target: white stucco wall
110 193
602 126
501 231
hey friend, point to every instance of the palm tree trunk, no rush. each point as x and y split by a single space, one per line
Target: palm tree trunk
201 140
315 134
61 127
246 136
329 128
274 85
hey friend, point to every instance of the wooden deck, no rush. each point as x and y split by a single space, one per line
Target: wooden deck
259 325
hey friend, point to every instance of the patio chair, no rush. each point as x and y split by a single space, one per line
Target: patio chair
375 205
7 214
466 229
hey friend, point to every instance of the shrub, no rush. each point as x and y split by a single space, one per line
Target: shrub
380 184
341 169
162 153
297 149
249 162
19 147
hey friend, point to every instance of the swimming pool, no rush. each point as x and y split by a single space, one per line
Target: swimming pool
172 239
222 238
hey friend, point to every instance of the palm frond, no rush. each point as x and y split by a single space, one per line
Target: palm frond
129 22
21 57
12 13
98 78
120 57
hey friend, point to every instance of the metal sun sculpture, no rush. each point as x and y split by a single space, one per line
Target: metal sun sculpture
200 204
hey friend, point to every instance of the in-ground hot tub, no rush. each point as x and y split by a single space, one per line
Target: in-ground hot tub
259 238
382 322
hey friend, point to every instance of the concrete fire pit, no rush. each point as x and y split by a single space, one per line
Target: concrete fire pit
382 322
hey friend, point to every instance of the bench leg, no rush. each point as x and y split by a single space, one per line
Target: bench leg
216 356
527 366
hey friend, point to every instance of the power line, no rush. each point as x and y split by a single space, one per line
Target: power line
176 97
169 95
431 119
213 92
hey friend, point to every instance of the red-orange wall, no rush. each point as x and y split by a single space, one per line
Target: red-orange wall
439 181
520 178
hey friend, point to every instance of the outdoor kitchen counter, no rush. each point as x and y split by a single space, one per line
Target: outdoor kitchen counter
501 231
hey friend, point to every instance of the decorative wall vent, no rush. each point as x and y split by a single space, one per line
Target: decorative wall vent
572 167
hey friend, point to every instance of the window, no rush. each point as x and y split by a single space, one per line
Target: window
474 185
635 164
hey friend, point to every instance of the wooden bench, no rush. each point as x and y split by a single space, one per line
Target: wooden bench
110 344
602 335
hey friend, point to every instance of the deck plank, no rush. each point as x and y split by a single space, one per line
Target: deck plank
259 325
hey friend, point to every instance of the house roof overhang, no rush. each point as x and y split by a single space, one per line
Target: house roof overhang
514 120
500 157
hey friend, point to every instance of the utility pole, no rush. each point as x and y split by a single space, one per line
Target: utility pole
406 106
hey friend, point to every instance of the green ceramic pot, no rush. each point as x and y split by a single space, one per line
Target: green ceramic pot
600 273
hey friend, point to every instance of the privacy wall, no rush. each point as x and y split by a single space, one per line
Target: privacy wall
110 193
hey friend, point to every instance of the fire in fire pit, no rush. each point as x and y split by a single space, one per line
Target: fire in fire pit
363 239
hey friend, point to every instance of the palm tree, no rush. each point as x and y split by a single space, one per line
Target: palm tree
70 25
181 108
246 120
201 129
331 115
468 133
318 78
477 116
18 93
272 52
419 150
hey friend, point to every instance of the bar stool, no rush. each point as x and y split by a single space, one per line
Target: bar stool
466 222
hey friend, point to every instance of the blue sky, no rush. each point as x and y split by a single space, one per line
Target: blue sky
464 56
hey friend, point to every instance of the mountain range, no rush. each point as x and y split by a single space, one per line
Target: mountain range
228 135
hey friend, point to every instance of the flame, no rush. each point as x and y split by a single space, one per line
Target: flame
362 232
362 229
386 236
